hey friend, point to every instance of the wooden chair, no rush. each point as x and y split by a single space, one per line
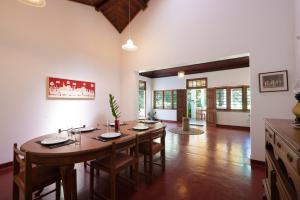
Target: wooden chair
30 178
114 164
148 147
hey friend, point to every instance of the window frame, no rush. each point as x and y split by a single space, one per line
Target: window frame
196 79
163 100
222 88
228 99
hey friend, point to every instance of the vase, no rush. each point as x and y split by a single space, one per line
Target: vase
117 125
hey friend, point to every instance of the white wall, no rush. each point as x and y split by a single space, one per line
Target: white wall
173 33
214 79
64 39
297 23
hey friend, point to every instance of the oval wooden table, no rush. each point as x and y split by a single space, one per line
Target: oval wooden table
67 156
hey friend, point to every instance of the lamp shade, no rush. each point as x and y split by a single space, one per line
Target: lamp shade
181 74
35 3
129 46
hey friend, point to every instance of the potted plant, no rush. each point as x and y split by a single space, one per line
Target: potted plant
115 111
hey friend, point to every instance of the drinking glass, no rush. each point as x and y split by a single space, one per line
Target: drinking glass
77 136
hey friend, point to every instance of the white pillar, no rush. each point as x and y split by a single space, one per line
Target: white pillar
297 24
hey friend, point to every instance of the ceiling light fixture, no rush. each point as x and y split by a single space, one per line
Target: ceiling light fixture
129 46
181 74
34 3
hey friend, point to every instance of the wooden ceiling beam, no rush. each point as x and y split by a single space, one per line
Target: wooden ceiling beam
142 4
102 5
233 63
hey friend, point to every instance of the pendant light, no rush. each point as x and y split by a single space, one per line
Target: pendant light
181 74
34 3
129 45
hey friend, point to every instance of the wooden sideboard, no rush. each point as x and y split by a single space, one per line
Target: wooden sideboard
282 180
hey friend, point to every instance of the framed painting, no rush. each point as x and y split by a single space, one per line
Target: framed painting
273 81
60 88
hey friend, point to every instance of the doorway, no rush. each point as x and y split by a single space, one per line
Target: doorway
196 106
142 99
196 100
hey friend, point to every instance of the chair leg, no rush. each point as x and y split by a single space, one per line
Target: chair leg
28 194
16 192
92 182
136 174
85 165
113 186
145 163
150 168
163 160
98 172
58 190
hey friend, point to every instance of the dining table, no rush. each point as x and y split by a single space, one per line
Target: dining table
90 148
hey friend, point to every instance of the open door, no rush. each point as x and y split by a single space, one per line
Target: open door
211 114
181 105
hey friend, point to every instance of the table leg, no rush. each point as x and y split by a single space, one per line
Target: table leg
68 176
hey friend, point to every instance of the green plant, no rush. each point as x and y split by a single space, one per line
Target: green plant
114 107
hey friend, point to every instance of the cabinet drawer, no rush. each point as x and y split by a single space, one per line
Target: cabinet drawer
269 134
288 156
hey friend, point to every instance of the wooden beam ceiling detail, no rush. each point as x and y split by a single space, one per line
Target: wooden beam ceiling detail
116 11
233 63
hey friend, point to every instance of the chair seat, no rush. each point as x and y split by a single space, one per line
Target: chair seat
121 160
42 176
156 147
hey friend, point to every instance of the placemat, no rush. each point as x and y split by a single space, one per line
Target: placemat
53 146
106 140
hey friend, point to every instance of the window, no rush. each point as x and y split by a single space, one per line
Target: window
142 98
196 83
221 98
233 98
158 99
236 97
165 99
168 99
248 98
174 99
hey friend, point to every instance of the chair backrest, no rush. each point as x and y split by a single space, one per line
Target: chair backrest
125 145
22 163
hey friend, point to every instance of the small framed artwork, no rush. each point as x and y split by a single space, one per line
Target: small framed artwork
273 81
60 88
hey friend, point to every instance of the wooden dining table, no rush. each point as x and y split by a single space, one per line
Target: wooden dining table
65 157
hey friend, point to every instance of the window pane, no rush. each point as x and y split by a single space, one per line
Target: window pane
142 102
158 98
221 99
237 98
174 99
248 99
168 99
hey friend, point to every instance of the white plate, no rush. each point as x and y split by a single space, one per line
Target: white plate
54 140
87 129
110 135
140 127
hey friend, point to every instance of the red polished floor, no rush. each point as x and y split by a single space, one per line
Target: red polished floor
214 165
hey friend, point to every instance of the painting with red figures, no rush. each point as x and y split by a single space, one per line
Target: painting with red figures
70 89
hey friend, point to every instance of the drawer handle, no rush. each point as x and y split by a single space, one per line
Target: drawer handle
279 145
289 157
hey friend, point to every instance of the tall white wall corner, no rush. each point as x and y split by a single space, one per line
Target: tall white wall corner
297 28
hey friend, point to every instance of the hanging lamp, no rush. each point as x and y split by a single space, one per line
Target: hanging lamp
129 45
34 3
